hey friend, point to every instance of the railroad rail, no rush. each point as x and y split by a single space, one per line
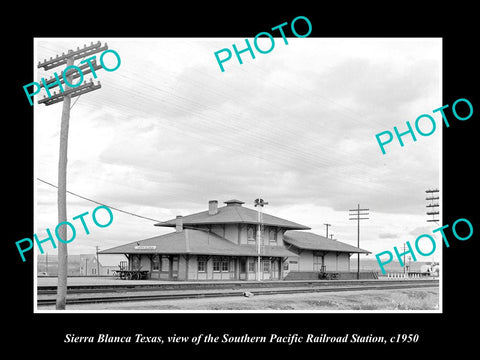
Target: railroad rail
145 292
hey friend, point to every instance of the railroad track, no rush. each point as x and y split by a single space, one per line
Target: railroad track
200 285
150 293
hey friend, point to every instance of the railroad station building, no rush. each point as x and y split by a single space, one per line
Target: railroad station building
220 244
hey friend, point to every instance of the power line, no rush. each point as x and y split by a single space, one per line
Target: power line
78 97
99 203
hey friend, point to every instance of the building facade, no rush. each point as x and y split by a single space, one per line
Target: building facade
221 243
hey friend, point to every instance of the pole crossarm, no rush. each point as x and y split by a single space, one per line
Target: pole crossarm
433 205
73 92
74 74
76 54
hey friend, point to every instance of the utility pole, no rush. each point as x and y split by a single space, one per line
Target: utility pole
66 96
357 213
433 205
327 225
98 262
259 204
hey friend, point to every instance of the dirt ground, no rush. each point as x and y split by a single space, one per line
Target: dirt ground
368 300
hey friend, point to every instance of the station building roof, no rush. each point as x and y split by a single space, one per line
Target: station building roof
194 242
310 241
234 213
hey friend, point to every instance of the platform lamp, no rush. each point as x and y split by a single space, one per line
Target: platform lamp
259 204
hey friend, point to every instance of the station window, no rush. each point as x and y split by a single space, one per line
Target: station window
272 235
202 265
225 265
251 265
164 263
221 264
266 266
216 265
251 233
175 262
155 263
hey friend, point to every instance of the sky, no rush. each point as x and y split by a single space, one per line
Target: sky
168 131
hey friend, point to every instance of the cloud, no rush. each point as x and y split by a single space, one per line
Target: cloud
379 85
388 236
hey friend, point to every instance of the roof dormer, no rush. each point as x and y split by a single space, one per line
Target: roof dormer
234 202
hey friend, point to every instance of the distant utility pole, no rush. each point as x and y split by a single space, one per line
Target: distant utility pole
433 205
357 213
327 225
72 90
98 262
259 204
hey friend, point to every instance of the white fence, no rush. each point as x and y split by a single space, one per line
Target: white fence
399 276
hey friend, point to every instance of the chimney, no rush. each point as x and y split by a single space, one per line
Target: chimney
179 223
212 207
